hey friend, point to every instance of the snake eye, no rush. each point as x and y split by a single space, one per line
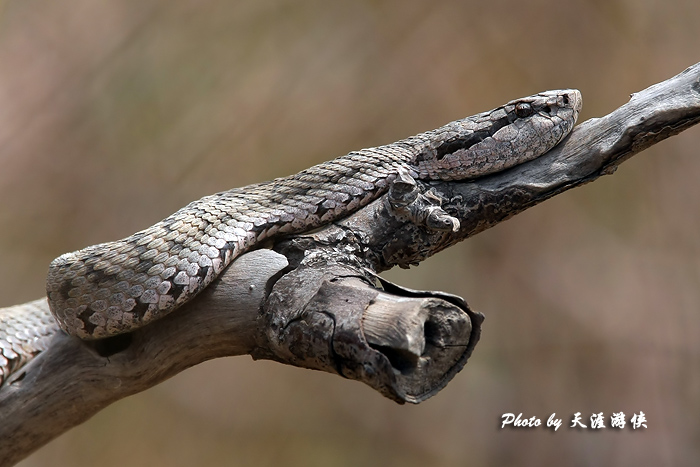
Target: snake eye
523 110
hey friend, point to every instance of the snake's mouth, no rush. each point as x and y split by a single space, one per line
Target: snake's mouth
563 99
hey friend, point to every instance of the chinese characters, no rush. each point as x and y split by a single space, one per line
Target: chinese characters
595 422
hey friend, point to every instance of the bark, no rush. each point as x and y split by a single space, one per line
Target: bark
315 301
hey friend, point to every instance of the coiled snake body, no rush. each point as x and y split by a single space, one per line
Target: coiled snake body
115 287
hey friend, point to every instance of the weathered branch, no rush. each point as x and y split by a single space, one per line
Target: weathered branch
72 380
594 148
308 316
314 300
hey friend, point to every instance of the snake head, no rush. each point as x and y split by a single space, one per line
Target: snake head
519 131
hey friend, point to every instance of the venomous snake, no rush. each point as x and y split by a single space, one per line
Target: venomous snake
116 287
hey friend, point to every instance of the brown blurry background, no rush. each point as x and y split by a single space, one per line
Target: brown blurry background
115 114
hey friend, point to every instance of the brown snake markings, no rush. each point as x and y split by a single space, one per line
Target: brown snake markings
116 287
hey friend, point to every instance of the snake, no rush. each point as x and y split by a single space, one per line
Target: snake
116 287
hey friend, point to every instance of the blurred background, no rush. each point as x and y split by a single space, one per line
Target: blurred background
115 114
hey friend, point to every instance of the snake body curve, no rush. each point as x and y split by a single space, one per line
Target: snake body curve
116 287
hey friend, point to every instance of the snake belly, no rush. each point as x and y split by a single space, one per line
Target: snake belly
116 287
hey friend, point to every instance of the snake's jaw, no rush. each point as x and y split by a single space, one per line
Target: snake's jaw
564 105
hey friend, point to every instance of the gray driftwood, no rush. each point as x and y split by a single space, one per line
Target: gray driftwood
314 300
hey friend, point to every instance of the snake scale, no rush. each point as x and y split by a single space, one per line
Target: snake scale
116 287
